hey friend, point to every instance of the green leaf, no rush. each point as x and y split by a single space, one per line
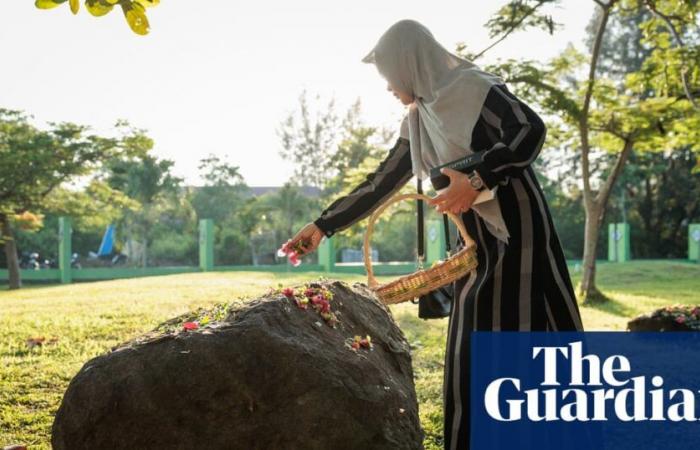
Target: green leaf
48 4
135 15
98 8
148 3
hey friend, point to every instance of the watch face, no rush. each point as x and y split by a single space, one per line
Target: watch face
476 183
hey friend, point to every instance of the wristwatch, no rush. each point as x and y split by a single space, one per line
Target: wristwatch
475 180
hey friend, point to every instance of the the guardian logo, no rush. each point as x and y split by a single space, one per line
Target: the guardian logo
607 388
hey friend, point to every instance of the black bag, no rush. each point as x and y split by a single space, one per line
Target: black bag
438 303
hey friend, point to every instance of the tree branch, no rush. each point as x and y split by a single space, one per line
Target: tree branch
583 119
508 32
604 192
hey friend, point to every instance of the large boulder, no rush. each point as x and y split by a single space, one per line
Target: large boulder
261 374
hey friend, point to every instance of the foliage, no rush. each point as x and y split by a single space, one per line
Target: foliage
224 190
147 180
142 178
91 208
659 195
134 10
28 221
309 137
644 103
224 199
174 247
34 162
220 173
516 15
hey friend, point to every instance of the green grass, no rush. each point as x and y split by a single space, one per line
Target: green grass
89 319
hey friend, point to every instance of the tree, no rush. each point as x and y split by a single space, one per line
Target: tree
134 10
357 143
224 190
309 139
659 195
147 180
224 198
34 162
92 208
605 118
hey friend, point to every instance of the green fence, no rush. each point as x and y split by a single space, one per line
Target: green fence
618 250
67 274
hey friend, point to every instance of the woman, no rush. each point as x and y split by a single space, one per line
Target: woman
455 109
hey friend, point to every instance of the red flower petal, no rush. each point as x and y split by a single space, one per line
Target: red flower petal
190 325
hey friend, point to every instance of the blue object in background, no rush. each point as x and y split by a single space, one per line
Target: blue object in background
107 245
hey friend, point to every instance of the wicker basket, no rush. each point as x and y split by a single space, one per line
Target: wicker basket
424 280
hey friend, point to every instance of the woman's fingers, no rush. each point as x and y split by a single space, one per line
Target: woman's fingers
437 199
456 206
310 236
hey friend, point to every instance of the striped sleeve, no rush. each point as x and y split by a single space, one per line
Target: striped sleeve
522 133
390 176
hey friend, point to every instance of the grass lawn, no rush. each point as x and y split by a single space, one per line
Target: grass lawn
90 318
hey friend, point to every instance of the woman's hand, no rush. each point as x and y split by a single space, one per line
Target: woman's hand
458 197
310 235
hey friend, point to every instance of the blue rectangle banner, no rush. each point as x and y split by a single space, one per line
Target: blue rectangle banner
582 391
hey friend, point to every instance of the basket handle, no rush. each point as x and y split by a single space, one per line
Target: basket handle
371 280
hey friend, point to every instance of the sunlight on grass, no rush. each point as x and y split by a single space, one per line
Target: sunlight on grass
90 318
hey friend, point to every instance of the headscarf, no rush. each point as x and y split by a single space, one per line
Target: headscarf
449 93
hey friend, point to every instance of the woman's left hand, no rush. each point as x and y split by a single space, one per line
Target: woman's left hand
458 197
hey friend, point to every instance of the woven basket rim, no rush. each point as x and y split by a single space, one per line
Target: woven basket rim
431 278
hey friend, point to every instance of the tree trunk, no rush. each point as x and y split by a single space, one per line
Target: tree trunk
588 290
10 245
144 255
595 213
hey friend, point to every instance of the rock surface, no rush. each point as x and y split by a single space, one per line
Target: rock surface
268 376
663 319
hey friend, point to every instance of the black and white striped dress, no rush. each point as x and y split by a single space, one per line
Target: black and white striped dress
523 285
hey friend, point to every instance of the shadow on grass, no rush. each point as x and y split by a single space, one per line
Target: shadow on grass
608 304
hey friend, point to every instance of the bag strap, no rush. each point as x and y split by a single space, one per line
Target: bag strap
420 226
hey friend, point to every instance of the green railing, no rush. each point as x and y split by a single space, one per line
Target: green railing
619 251
66 274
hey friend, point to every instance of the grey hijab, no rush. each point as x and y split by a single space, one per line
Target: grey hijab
449 93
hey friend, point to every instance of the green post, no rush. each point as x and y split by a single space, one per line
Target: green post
326 254
435 242
612 248
619 242
206 245
694 242
64 249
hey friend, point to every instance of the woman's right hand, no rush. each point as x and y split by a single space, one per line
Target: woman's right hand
310 235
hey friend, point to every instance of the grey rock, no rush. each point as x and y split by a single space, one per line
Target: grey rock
265 377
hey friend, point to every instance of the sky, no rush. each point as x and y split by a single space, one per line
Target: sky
219 77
